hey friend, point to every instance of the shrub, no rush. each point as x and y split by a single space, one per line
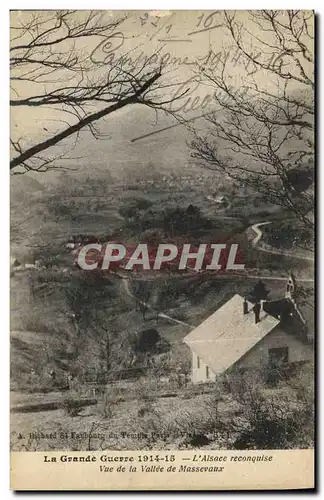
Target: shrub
73 406
281 418
145 390
111 398
145 410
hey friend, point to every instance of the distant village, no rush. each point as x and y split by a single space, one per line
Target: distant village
179 183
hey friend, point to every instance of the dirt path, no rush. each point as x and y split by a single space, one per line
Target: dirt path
257 231
278 278
274 251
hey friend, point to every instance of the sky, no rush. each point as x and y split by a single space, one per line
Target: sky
181 40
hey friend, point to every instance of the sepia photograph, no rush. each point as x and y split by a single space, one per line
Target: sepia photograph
162 243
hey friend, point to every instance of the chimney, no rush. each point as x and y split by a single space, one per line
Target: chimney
245 306
257 309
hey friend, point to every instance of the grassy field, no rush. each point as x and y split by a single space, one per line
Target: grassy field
130 425
154 414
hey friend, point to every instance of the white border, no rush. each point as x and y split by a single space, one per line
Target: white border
4 191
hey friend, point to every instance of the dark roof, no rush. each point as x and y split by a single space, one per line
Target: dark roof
294 319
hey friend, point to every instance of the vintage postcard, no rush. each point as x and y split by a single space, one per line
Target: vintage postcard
162 250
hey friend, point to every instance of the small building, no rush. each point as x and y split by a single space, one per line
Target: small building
247 335
219 200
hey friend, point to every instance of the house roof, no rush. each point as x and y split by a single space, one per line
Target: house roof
308 313
228 334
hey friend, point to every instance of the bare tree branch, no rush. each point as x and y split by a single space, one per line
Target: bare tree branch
262 132
48 52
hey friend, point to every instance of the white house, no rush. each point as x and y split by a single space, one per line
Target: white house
249 335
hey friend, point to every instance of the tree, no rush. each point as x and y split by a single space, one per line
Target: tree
142 295
53 72
259 292
261 133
